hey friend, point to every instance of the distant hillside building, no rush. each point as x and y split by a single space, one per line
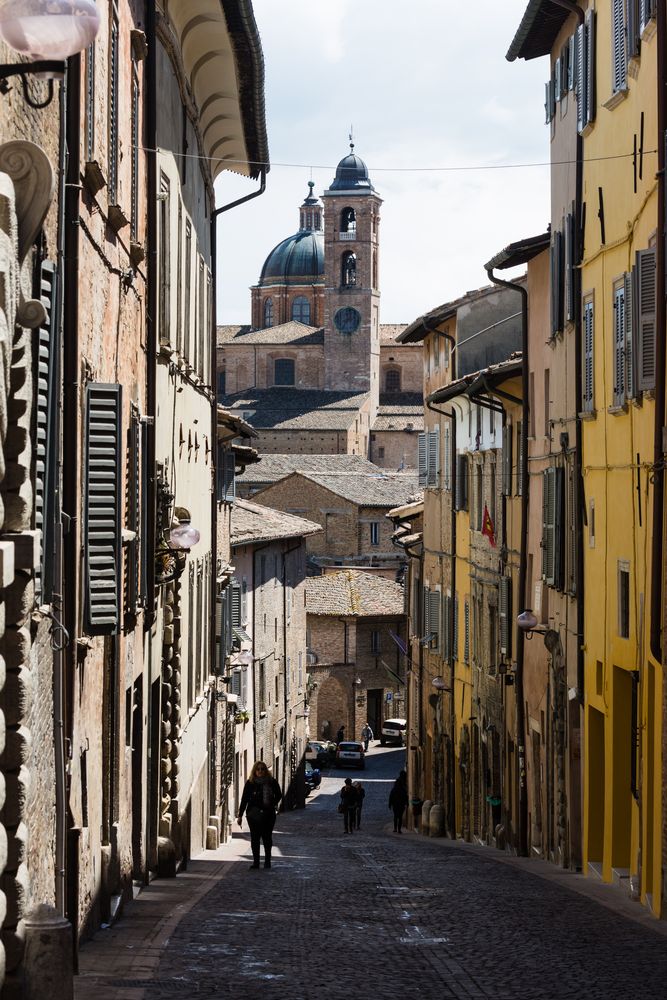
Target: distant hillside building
316 371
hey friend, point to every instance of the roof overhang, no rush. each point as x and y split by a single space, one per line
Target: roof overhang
231 426
521 252
243 455
475 383
406 511
221 54
538 30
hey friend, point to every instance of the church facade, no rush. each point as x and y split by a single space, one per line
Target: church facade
315 371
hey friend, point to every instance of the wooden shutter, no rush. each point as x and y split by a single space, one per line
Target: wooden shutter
580 76
447 484
433 460
434 614
236 604
587 381
423 458
646 303
229 491
466 636
426 613
461 482
556 283
146 429
629 328
572 521
548 525
571 273
590 67
505 600
132 515
455 634
559 528
632 27
447 628
619 346
520 485
619 55
508 432
46 434
102 507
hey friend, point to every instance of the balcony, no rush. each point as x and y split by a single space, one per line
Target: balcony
347 236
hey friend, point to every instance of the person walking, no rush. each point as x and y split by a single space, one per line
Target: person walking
361 795
398 800
340 735
261 795
348 801
366 735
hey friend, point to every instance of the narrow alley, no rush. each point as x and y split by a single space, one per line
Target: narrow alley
377 915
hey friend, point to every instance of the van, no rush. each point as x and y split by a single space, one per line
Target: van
393 731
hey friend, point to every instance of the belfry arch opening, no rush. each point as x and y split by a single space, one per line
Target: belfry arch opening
348 270
348 221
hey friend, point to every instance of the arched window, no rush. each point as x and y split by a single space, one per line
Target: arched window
348 221
283 371
348 271
392 380
268 313
301 310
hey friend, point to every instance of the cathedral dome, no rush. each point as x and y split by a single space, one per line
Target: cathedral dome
351 174
297 257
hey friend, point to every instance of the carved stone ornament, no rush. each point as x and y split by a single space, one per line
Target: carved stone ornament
29 168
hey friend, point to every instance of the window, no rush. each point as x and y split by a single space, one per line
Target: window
493 636
557 283
432 617
268 313
461 495
381 452
226 474
375 532
90 102
47 404
519 450
433 438
466 634
644 277
585 71
447 472
507 459
375 641
348 221
591 523
547 403
619 346
262 686
134 189
220 387
348 270
505 598
479 496
619 49
165 262
552 526
624 599
392 380
301 310
283 371
187 281
571 527
587 379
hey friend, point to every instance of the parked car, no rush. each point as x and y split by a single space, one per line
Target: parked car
321 753
350 754
312 777
393 731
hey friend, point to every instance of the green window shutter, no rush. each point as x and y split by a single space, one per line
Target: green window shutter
45 432
632 28
505 600
619 347
421 441
619 54
645 313
102 485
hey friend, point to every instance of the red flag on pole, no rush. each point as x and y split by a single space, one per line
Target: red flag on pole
488 528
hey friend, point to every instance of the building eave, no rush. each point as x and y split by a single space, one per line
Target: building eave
538 30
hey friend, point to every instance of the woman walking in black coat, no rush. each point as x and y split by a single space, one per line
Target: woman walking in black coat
398 800
259 802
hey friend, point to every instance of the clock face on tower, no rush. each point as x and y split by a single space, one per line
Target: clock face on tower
347 320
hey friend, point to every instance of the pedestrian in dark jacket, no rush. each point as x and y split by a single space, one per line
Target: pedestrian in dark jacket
340 735
361 795
398 800
261 795
348 800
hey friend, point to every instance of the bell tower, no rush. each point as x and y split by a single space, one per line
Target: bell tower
351 288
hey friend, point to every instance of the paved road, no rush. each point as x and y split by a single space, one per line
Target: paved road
378 916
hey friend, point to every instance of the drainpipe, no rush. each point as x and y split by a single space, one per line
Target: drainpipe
660 318
518 679
70 453
286 691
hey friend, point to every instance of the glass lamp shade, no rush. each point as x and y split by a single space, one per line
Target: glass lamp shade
526 620
48 29
183 536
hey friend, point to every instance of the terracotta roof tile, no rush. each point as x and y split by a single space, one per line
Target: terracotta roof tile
251 522
353 593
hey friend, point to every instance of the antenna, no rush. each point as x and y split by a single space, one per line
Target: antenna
351 138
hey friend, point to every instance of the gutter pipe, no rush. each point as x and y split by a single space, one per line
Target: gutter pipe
518 680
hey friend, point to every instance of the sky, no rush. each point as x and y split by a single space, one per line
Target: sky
425 86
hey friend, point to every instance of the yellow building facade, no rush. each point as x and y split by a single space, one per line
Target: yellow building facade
623 680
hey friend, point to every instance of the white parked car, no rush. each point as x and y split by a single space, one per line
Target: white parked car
350 754
393 731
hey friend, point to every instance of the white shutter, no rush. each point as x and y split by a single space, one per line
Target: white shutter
590 67
433 457
448 459
580 76
629 325
505 598
434 618
423 458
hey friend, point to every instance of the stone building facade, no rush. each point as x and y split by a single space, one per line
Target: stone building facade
356 667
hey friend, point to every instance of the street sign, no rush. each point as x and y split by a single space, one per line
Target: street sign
389 696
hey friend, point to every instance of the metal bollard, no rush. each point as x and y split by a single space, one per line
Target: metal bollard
47 961
426 809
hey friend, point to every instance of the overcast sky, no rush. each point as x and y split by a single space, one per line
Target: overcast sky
425 85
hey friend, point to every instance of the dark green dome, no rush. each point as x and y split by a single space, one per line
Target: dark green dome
298 256
351 174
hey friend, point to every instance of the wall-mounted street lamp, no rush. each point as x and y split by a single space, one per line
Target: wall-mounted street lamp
439 684
46 32
182 536
528 624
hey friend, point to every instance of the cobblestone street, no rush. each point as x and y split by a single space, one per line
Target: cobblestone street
379 915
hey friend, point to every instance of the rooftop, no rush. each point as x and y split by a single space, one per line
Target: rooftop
353 593
251 522
538 30
271 468
389 332
418 329
292 332
384 489
308 409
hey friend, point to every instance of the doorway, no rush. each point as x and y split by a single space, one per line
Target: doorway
374 698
